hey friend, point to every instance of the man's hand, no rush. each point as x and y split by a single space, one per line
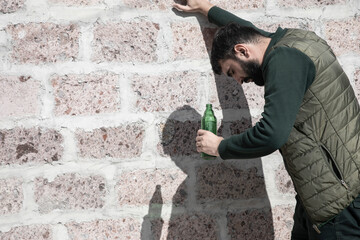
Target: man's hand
207 142
201 6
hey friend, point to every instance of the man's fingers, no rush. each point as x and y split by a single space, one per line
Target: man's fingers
201 132
184 8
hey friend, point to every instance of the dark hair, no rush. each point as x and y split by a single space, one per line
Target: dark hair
226 38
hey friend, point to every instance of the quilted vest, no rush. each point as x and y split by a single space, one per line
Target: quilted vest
322 154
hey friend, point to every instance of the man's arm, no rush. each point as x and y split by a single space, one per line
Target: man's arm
288 73
215 14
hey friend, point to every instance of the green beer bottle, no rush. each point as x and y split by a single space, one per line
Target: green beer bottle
208 122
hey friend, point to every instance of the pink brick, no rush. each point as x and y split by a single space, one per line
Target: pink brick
77 2
19 96
188 227
125 42
344 36
30 232
69 192
226 93
309 3
283 221
149 4
85 94
11 196
224 181
234 4
139 187
120 142
177 138
291 23
283 181
357 84
251 224
33 145
188 41
126 228
165 92
254 95
44 42
10 6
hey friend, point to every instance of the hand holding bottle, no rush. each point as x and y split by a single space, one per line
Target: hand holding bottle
201 6
207 142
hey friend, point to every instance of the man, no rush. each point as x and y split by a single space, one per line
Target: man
311 115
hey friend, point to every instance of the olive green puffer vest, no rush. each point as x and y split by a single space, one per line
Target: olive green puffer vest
322 154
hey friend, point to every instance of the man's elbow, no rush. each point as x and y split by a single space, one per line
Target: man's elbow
275 142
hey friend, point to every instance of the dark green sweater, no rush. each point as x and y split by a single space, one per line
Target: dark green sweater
288 73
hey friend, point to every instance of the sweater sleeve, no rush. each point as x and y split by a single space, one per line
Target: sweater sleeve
288 73
221 17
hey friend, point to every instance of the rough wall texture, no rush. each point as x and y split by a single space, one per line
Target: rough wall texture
100 101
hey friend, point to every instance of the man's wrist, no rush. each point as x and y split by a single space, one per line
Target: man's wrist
206 8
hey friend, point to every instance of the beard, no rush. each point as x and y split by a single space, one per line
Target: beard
253 70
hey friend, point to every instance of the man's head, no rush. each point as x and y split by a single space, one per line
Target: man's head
232 53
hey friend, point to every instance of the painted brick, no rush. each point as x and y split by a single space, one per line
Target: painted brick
344 36
10 6
188 41
126 228
125 42
283 221
283 181
44 42
226 93
70 191
30 232
77 2
19 96
178 138
120 142
309 3
234 4
33 145
188 227
224 181
11 196
357 84
251 224
85 94
165 92
140 186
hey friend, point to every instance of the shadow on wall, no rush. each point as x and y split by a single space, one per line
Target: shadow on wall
209 204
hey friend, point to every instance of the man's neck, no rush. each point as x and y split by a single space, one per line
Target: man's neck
263 44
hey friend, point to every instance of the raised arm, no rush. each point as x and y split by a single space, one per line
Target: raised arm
215 14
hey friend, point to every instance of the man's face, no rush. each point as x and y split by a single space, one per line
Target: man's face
243 71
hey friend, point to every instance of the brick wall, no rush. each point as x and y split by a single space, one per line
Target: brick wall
100 101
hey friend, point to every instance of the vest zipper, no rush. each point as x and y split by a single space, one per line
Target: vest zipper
316 228
334 166
344 184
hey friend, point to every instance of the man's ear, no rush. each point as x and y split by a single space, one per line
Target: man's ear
241 50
